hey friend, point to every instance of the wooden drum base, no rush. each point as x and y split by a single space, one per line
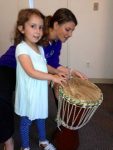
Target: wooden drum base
66 139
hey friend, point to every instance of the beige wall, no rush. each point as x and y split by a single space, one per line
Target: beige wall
90 50
8 15
48 7
92 41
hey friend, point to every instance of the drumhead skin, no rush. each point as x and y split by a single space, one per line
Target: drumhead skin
81 92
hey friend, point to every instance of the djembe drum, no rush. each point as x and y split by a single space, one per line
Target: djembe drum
77 102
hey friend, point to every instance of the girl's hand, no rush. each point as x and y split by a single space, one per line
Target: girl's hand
62 74
59 79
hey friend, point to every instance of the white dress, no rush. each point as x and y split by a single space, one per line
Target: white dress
31 98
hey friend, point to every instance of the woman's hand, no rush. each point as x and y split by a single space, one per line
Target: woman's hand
68 72
78 74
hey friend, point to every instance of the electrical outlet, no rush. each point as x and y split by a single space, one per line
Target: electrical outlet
88 64
95 6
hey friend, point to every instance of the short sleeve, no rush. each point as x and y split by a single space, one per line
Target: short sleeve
21 49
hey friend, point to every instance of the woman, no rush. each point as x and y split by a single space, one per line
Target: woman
58 29
7 82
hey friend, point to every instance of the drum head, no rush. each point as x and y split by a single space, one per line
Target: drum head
81 92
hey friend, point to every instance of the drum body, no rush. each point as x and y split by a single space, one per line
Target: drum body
66 139
77 102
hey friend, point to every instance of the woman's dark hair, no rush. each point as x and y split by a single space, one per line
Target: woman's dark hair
23 16
61 16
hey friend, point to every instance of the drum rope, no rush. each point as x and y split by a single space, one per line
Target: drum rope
77 114
64 109
69 113
82 121
86 116
90 114
74 113
59 110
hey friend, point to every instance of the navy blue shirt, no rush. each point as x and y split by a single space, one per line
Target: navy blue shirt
52 53
8 58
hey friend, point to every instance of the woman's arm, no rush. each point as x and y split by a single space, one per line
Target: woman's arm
72 72
52 70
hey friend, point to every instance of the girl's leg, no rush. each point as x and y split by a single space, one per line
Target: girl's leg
9 144
43 143
41 129
24 131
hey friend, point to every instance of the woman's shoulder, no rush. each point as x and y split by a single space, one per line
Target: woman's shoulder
57 44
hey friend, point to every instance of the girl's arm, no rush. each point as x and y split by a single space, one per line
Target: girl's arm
27 65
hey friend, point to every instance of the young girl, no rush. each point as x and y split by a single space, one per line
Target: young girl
31 102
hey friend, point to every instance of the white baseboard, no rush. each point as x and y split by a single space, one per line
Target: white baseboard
100 80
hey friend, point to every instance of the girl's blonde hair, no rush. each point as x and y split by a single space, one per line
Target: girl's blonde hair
23 16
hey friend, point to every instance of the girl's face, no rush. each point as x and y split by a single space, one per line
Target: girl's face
33 29
64 31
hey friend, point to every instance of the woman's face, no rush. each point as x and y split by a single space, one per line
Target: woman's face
64 31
